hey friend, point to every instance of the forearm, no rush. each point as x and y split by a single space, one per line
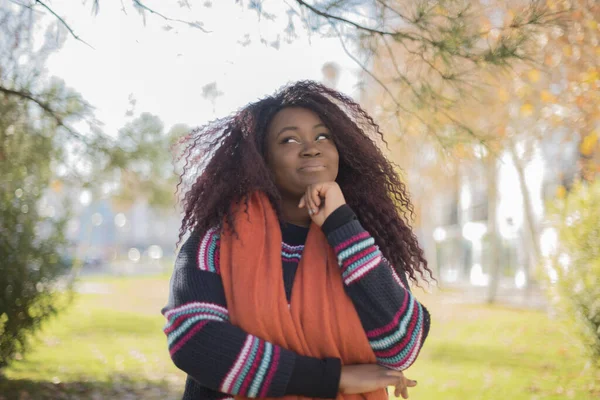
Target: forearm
395 322
224 358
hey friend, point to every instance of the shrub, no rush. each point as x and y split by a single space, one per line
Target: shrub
573 264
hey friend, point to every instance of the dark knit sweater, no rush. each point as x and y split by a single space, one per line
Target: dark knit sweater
222 360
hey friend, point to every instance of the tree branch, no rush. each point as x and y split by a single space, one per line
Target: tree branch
398 13
63 22
95 9
401 76
151 11
46 107
398 105
330 17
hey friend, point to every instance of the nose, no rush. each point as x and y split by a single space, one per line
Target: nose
310 150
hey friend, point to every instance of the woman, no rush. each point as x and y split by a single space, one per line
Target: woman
293 281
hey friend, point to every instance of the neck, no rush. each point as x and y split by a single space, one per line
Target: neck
292 214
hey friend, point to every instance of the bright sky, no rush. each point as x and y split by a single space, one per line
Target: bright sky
166 70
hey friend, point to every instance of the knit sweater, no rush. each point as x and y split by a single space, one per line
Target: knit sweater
222 360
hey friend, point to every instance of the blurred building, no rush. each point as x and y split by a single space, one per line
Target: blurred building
456 236
107 238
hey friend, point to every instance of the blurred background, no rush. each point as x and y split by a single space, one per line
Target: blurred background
489 108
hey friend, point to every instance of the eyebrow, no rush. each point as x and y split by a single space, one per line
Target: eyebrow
295 128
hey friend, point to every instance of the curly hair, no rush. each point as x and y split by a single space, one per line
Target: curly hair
224 162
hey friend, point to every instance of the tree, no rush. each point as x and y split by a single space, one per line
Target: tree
42 157
531 104
142 165
449 101
540 105
560 94
450 41
572 266
32 241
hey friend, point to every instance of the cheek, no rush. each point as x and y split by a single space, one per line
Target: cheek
336 157
282 165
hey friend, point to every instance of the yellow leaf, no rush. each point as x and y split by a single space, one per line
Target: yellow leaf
547 97
526 110
460 150
589 143
561 192
534 75
567 50
503 95
590 76
592 24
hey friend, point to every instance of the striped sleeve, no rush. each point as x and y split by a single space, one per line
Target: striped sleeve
218 355
395 322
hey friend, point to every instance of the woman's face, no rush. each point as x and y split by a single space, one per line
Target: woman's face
300 151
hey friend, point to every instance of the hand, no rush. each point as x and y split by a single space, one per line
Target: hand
402 386
321 199
366 378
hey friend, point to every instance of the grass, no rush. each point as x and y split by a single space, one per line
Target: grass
105 345
491 352
111 346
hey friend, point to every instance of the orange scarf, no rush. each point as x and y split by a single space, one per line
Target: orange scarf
321 322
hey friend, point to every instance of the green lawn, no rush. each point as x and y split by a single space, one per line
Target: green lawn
112 346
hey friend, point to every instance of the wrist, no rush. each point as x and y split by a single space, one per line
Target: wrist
342 385
339 217
314 377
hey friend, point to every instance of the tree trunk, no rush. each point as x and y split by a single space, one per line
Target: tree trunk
492 194
529 220
430 245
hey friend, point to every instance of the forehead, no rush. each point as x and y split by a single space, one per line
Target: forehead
294 116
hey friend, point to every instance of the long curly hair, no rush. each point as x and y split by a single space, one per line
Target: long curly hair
224 162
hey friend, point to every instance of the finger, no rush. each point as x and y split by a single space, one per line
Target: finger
302 203
411 383
315 195
310 202
404 392
399 387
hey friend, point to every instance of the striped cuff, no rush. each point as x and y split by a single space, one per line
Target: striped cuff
253 371
184 321
356 251
398 344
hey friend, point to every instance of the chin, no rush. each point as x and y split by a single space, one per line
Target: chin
311 179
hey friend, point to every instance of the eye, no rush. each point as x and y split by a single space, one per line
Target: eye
322 136
289 140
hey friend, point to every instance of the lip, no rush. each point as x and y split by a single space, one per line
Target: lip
312 167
